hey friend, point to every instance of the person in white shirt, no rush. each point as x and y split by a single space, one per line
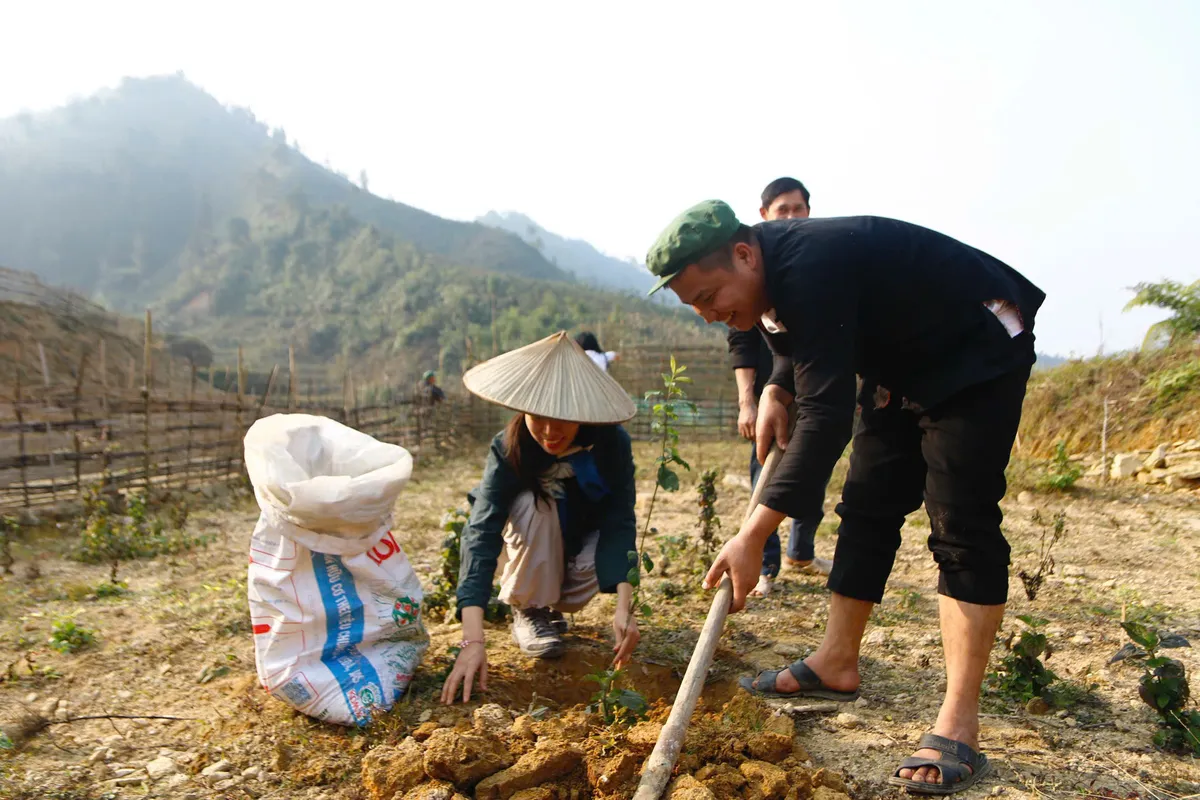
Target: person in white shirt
587 340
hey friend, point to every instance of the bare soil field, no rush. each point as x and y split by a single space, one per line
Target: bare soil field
178 646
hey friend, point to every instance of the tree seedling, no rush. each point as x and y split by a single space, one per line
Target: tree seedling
616 706
1163 686
708 522
1052 533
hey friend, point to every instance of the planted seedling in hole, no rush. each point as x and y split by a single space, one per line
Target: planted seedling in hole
616 706
68 637
445 584
1163 686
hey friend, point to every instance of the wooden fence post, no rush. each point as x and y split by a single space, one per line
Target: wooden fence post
291 401
21 432
148 375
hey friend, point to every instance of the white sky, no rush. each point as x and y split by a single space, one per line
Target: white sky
1062 137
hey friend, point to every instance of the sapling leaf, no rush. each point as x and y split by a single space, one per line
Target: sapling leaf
1128 650
1174 640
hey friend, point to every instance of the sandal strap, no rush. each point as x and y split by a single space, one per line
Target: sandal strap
804 674
765 681
949 772
961 751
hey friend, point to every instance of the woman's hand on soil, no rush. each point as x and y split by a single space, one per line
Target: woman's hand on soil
625 632
741 559
471 661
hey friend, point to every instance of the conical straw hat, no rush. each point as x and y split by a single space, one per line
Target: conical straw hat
552 378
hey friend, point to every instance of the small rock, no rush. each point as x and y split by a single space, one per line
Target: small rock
767 780
214 778
464 759
492 718
825 793
425 716
545 763
878 743
164 668
877 637
1026 498
49 707
1037 706
522 728
770 747
424 730
31 698
226 784
685 787
130 780
848 720
1125 465
430 790
642 737
121 773
1107 585
220 766
124 694
98 755
788 650
251 772
1073 571
63 713
1081 638
1157 458
160 768
389 771
862 702
1071 722
997 791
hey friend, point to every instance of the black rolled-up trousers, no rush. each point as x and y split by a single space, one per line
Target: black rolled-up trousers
953 458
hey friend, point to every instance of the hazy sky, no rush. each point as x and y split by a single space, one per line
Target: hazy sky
1062 137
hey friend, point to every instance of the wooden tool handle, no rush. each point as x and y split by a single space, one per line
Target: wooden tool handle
657 771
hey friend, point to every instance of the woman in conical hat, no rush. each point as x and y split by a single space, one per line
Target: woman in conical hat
554 511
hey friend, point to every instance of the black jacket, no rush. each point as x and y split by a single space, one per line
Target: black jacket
898 304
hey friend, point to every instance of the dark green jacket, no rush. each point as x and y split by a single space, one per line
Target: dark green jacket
613 516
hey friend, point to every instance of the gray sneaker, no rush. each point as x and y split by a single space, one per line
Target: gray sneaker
536 634
559 621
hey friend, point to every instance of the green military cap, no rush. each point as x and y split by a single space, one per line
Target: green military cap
692 235
428 374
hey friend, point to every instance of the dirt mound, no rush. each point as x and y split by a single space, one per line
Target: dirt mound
742 751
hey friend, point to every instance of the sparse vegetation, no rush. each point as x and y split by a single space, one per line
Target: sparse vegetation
709 523
1051 533
109 538
1062 473
445 584
8 532
1022 675
67 636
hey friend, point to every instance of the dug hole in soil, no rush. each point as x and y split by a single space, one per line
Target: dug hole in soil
735 746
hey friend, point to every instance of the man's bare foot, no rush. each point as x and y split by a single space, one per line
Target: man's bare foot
839 679
968 735
763 587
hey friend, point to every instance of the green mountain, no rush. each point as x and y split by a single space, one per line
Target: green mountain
155 195
578 257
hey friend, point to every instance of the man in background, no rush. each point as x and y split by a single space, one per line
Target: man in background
784 198
431 393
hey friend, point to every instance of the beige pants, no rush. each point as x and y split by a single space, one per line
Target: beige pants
531 566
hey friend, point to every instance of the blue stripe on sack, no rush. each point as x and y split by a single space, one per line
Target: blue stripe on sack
343 634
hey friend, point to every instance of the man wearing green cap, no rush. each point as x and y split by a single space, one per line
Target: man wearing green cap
942 335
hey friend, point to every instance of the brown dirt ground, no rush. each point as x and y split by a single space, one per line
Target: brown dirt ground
1130 550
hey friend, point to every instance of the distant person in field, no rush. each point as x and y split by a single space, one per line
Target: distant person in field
942 337
784 198
554 512
431 393
602 358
